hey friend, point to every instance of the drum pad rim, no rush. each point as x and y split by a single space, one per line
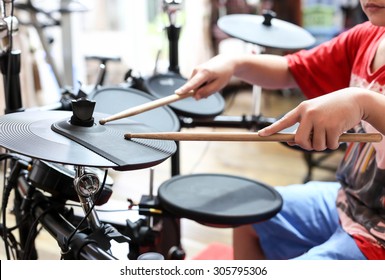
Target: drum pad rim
215 219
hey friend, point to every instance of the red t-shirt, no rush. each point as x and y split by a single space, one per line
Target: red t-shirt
342 62
329 67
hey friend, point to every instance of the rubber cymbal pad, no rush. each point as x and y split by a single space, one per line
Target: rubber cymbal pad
30 133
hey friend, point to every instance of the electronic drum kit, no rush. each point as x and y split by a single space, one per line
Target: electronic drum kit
91 137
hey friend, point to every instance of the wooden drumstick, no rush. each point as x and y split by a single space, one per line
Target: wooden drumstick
146 107
244 136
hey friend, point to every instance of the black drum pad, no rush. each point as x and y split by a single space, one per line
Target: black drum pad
112 100
163 85
219 200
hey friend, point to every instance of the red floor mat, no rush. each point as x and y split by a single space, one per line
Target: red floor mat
215 251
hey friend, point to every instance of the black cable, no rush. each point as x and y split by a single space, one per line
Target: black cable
12 240
3 214
33 233
67 242
16 226
6 193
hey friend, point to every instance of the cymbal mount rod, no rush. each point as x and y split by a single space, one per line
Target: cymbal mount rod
86 185
151 192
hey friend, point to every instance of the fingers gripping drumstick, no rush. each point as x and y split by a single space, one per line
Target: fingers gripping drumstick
245 136
146 107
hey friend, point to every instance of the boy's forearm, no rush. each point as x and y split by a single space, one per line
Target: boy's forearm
267 71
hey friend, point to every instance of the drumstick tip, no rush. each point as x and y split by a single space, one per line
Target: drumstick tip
127 136
102 121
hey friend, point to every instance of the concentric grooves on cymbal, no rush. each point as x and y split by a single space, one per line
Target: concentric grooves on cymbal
13 130
30 133
161 146
17 134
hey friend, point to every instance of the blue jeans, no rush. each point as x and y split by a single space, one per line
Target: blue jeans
307 227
